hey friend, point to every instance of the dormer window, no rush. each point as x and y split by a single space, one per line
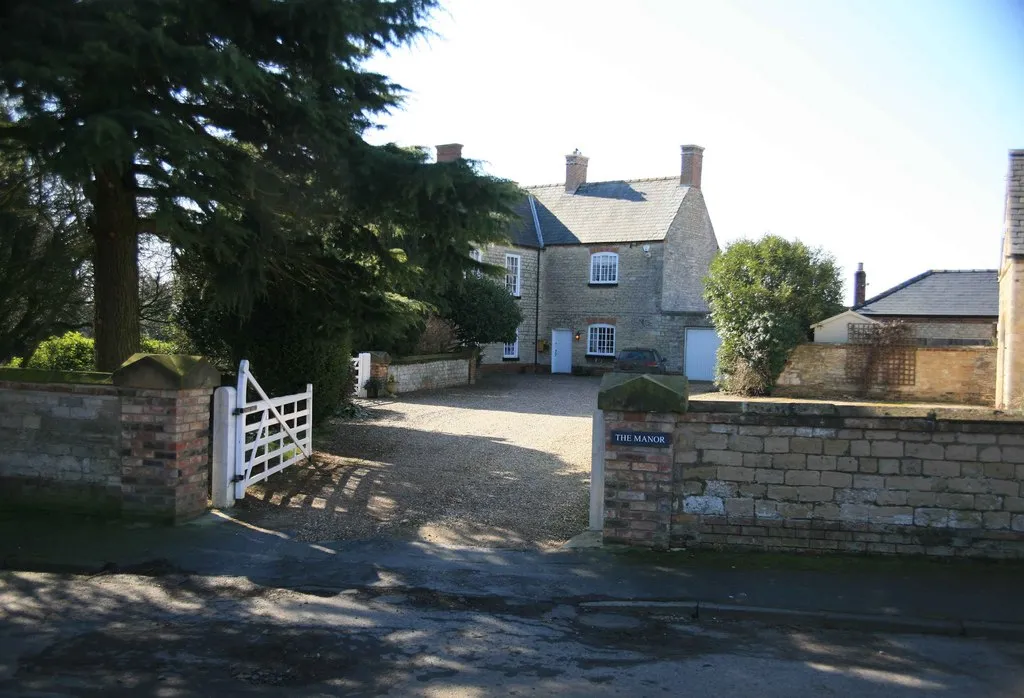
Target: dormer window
604 268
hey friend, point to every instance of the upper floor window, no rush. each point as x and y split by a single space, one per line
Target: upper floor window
513 274
604 268
601 340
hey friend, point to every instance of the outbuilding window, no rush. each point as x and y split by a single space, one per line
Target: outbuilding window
604 268
601 340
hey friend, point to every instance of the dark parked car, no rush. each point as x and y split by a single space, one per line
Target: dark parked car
640 361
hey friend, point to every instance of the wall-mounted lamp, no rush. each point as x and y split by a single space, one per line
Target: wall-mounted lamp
647 250
577 336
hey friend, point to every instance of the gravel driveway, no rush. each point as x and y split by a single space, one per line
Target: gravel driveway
504 463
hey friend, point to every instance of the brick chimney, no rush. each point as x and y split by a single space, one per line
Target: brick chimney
693 158
860 285
449 152
575 171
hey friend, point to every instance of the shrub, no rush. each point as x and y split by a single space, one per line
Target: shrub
482 312
157 346
72 351
764 296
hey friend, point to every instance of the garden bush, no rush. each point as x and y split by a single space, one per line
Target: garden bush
72 351
764 296
157 346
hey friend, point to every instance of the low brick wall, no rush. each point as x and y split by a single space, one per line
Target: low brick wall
413 373
104 448
962 375
820 477
61 445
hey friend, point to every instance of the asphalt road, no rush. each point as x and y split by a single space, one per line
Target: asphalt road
188 636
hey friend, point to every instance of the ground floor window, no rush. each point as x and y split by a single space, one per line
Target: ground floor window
511 350
601 340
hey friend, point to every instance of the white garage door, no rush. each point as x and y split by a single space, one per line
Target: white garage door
700 351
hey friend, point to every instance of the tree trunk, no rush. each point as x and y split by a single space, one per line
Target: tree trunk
116 268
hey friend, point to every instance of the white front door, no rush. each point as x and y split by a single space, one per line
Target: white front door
701 352
561 351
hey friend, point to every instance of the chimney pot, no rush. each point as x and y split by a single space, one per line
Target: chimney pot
575 171
693 159
860 285
449 152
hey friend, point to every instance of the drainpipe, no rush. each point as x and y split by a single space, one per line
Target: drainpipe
536 307
536 318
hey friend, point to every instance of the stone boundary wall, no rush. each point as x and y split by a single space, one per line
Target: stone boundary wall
61 445
138 446
413 373
820 477
962 375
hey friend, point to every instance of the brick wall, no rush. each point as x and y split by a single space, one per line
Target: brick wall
165 447
820 477
414 374
107 449
965 375
61 445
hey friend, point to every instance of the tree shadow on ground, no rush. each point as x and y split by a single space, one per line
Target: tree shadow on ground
378 480
188 635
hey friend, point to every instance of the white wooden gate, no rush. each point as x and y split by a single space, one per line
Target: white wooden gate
253 439
361 366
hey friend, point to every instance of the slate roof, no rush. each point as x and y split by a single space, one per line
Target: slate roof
638 210
523 232
940 292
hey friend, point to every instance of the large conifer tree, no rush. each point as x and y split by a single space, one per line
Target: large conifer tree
231 129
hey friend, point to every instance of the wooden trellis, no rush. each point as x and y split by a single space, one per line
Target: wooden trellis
881 354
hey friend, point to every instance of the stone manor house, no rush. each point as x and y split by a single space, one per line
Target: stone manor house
603 266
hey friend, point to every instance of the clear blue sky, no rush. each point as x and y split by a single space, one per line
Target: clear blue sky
877 129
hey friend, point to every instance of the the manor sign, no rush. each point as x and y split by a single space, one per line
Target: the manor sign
650 439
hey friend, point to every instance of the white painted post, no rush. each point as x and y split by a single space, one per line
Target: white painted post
597 473
223 466
363 373
239 412
309 421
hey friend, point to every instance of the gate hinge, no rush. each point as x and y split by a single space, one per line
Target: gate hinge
238 478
